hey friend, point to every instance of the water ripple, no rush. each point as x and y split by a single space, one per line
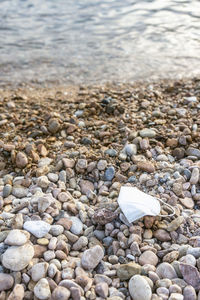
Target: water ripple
93 40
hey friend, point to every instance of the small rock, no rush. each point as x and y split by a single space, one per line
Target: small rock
189 293
102 164
162 235
103 216
174 225
187 202
109 173
81 243
130 149
21 160
19 191
42 290
190 275
126 271
176 296
91 257
39 271
139 289
146 166
86 186
146 132
195 176
77 226
17 293
102 289
61 293
53 125
148 257
165 270
37 228
6 282
17 237
16 258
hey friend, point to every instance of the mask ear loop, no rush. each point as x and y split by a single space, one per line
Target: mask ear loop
169 206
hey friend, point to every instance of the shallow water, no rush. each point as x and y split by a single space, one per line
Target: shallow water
92 40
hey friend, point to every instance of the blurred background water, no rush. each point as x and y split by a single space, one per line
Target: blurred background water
98 40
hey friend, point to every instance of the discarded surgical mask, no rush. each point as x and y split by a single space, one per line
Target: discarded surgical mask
136 204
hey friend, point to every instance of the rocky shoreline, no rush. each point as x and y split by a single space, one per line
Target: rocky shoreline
64 154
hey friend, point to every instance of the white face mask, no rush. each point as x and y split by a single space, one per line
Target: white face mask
136 204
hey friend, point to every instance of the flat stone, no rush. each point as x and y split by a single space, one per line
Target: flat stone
187 202
92 257
126 271
148 257
17 237
139 289
17 293
16 258
6 282
165 270
146 132
42 289
162 235
190 275
37 228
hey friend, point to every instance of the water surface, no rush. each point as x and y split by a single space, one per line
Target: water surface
98 40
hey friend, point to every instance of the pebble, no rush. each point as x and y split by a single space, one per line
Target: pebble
130 149
42 289
102 289
187 202
165 270
17 237
6 282
21 160
148 257
150 133
39 271
126 271
174 225
61 293
92 257
194 176
16 258
162 235
189 293
19 191
139 289
190 275
38 228
109 173
77 226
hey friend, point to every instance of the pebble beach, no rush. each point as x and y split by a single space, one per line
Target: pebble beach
65 152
